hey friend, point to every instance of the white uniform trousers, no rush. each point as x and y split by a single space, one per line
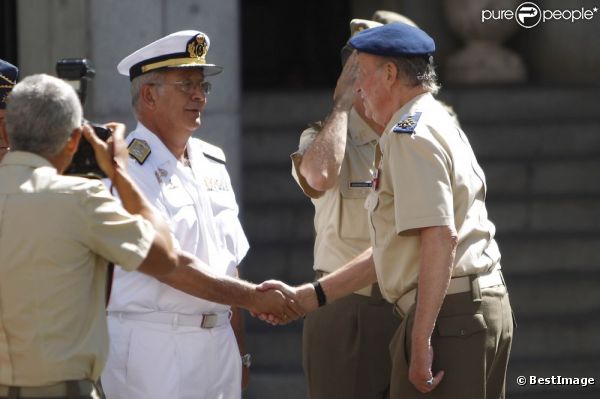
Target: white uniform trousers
159 361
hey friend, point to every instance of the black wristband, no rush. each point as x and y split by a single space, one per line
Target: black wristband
321 298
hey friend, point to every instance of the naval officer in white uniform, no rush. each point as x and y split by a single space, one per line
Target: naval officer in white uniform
164 342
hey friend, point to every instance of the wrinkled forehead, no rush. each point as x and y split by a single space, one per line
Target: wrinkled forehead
368 62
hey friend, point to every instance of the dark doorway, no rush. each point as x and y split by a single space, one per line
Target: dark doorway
8 31
292 44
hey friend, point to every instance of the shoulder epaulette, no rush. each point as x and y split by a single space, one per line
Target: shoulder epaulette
407 123
139 150
213 152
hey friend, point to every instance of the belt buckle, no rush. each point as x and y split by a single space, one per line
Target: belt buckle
209 320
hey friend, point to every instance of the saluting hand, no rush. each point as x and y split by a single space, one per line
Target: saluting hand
343 96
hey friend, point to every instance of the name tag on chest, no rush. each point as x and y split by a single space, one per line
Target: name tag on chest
360 184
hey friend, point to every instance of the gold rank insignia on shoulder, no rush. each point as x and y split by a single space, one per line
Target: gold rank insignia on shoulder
139 150
408 123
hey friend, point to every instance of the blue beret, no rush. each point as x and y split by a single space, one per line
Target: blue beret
8 80
394 40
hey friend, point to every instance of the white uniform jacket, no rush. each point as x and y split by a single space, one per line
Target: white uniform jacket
200 206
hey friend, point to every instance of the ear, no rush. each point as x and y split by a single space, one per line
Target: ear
391 73
148 95
73 142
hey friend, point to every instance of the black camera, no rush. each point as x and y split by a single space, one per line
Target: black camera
77 72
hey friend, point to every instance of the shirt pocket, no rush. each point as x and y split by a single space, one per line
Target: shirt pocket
355 185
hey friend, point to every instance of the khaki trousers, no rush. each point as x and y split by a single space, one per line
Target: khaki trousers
345 348
471 343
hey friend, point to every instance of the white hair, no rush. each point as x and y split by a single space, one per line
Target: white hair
41 113
418 71
139 82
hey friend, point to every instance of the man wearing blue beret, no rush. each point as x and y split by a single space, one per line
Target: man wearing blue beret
434 254
8 80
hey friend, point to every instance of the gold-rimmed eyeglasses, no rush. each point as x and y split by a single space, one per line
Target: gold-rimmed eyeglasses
188 86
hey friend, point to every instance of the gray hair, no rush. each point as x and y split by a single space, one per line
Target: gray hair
41 113
418 71
139 82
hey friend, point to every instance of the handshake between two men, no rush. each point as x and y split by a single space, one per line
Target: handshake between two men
275 302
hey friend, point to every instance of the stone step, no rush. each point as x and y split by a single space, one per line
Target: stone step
500 141
542 253
294 220
523 104
511 178
276 346
269 383
547 140
276 384
522 254
572 294
278 361
545 214
536 336
572 335
290 263
472 105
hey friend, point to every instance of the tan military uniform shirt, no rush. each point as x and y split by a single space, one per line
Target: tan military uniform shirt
340 221
56 235
428 177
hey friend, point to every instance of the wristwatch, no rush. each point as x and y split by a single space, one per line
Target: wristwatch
247 360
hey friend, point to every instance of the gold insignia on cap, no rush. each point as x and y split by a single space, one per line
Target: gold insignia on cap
197 47
139 150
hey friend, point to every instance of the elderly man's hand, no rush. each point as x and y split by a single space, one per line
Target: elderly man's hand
343 96
420 374
303 295
112 153
281 307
